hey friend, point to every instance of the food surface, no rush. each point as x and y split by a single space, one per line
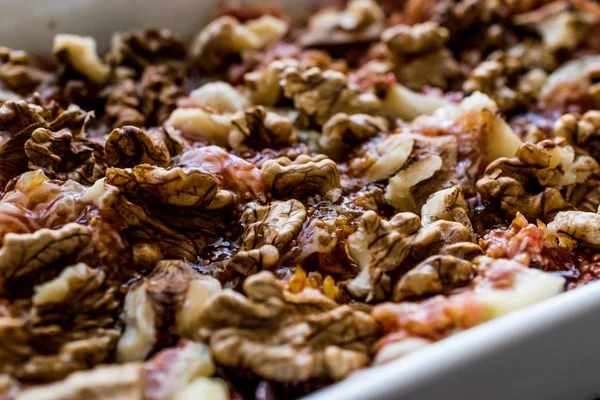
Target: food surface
266 208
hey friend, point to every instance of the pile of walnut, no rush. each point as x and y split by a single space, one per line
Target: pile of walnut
254 216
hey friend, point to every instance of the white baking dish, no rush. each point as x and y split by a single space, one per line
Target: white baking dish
548 351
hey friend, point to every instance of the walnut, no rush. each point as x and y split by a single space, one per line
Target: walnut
436 69
123 104
20 73
399 190
169 301
264 83
129 146
61 156
79 52
415 39
15 116
21 119
321 94
553 163
385 157
533 55
24 254
379 247
559 25
378 244
77 287
101 383
432 275
171 372
504 79
583 131
191 194
74 310
576 227
232 173
140 48
160 87
571 82
361 21
266 330
342 131
416 164
460 16
420 55
305 176
268 230
448 205
257 129
68 328
225 37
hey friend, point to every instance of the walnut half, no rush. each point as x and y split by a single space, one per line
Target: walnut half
286 337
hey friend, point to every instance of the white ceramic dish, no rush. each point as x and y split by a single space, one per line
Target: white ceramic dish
548 351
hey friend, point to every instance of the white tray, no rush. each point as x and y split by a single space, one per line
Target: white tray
548 351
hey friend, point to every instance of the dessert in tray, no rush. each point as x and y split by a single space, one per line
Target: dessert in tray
263 210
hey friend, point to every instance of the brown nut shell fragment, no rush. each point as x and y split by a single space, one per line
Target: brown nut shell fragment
258 129
286 337
305 176
24 254
129 146
342 131
321 94
114 382
431 276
